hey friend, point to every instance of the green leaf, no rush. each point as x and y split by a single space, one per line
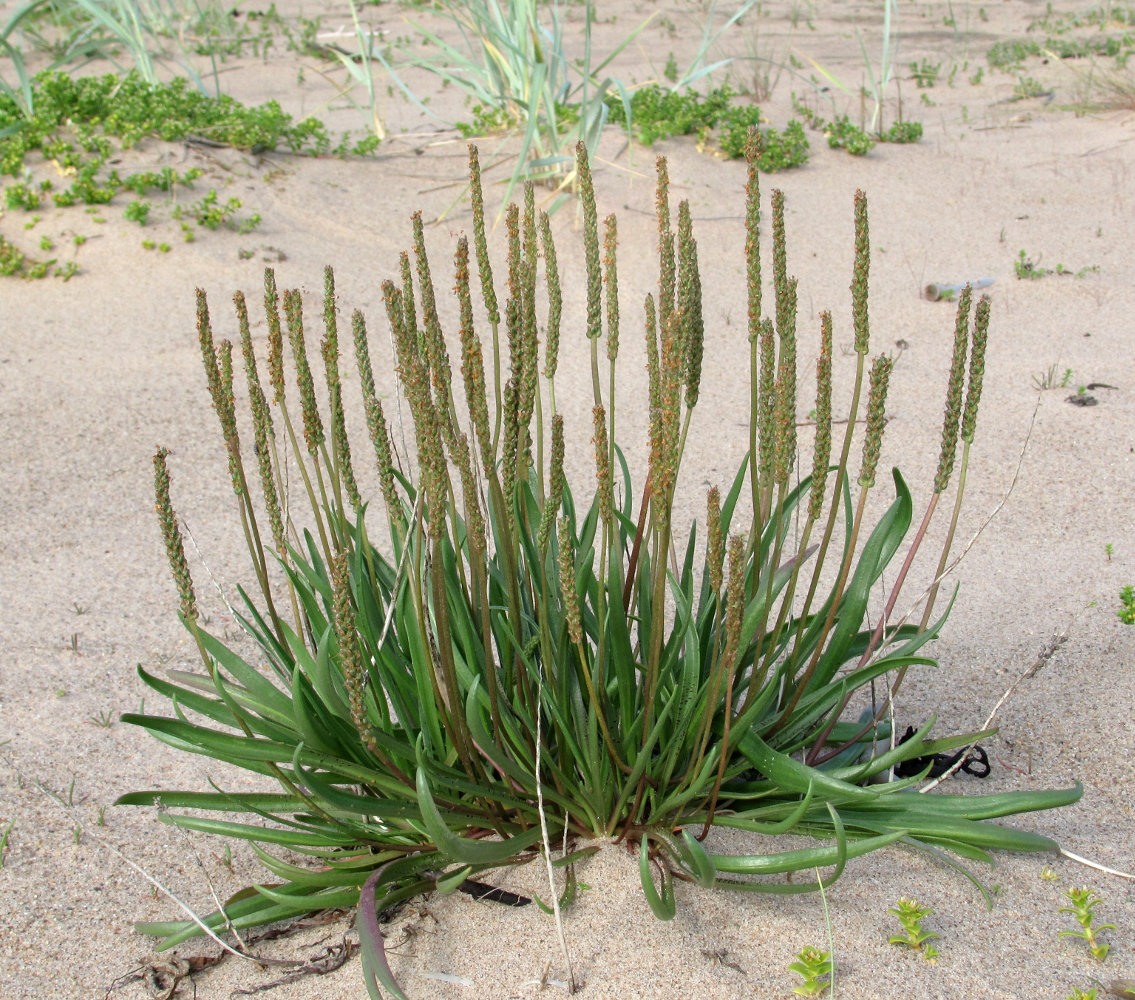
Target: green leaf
661 903
462 849
802 859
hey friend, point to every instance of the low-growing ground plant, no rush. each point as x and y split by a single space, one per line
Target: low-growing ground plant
5 835
536 657
15 263
1082 908
1028 269
75 128
842 133
910 914
1127 602
1051 378
813 966
657 113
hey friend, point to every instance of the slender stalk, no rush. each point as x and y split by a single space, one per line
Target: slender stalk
342 471
555 307
753 291
968 426
591 259
265 449
219 377
485 274
611 283
951 423
872 446
714 574
313 428
734 614
861 326
377 426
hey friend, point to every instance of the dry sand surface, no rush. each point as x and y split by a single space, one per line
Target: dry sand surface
96 371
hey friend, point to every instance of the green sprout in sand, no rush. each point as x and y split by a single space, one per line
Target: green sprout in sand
813 966
910 915
1082 909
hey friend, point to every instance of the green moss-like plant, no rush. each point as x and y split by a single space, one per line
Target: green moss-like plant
533 649
77 123
658 113
1126 610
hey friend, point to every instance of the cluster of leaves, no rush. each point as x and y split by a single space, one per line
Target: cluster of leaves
842 133
512 62
1012 53
529 660
1027 269
89 187
925 73
1127 600
127 108
1059 22
210 213
216 32
490 119
1114 47
814 966
14 263
902 132
660 113
78 124
1082 908
910 914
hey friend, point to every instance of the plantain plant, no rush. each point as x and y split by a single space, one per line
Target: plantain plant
532 659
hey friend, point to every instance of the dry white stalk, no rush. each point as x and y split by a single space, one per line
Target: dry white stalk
1047 652
1096 865
571 984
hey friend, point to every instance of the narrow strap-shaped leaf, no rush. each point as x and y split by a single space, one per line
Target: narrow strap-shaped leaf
661 903
311 715
801 859
320 877
265 692
376 969
398 802
752 822
463 849
792 775
695 858
876 555
219 801
261 834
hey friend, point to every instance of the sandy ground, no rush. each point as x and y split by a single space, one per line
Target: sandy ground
96 371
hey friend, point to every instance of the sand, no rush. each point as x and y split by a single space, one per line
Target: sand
96 371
